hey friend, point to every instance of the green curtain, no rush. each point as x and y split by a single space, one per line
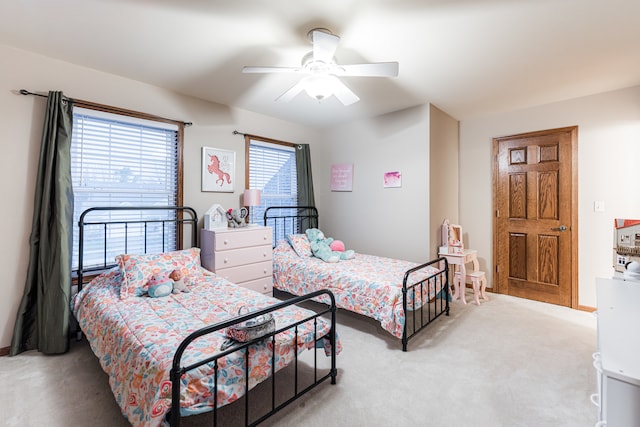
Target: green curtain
305 180
42 322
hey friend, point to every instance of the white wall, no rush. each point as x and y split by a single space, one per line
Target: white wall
608 156
22 118
371 219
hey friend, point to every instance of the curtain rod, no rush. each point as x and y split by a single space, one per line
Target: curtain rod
262 138
26 92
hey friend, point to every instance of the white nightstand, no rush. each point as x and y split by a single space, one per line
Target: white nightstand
241 255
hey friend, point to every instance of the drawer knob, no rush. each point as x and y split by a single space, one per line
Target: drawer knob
225 242
226 260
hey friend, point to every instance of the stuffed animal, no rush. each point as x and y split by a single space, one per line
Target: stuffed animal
179 282
160 285
338 246
236 217
321 247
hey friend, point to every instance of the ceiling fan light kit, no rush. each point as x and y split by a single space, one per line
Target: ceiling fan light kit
320 65
319 86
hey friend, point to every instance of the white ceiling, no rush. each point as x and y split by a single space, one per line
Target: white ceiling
467 57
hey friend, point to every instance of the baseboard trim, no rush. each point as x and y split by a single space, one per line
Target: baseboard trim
586 308
4 351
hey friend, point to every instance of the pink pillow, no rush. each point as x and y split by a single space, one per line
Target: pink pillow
137 270
300 243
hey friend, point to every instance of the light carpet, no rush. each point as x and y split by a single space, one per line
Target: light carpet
509 362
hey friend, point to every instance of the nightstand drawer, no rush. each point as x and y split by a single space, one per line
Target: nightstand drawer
247 272
242 238
237 257
264 285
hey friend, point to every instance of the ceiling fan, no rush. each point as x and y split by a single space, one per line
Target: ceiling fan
322 71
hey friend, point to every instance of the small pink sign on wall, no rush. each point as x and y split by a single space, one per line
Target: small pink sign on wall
342 177
392 179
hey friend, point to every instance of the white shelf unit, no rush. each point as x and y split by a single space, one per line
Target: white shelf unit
618 358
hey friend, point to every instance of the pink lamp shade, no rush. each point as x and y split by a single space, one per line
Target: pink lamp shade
251 197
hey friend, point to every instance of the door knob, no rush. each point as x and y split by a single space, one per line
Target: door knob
561 228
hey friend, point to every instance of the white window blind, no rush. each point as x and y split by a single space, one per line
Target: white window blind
122 161
272 170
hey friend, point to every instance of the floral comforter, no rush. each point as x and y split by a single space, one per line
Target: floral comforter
135 340
367 284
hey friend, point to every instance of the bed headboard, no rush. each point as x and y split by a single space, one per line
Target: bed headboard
105 231
290 220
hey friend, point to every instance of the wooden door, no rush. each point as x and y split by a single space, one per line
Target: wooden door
535 225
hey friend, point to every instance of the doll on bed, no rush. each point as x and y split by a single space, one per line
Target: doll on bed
162 284
179 282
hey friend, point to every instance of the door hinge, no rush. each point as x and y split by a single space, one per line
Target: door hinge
497 269
497 213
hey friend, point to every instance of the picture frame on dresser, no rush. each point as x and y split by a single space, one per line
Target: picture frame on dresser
218 170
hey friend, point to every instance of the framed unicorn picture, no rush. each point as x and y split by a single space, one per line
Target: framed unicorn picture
218 170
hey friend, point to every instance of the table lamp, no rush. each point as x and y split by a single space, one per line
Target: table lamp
251 198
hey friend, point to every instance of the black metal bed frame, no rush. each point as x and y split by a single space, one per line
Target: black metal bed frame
434 308
180 221
295 219
177 370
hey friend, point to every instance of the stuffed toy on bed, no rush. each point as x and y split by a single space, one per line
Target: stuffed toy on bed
338 246
179 282
160 286
321 247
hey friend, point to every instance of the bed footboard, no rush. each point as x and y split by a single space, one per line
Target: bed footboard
319 375
424 311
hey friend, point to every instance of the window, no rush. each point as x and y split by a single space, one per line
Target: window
120 160
272 170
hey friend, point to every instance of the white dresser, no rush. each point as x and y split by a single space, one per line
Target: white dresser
241 255
618 357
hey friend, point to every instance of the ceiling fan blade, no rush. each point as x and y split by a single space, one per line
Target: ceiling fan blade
324 45
292 92
270 69
344 94
377 69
